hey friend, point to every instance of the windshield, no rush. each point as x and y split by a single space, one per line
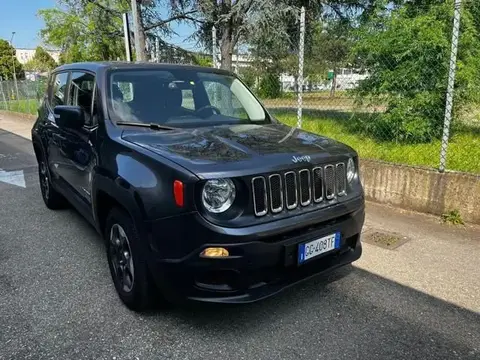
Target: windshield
180 98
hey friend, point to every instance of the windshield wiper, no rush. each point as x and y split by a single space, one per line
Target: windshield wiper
150 125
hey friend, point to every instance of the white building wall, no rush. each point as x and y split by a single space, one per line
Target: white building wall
25 55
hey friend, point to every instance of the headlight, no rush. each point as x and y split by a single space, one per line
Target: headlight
350 170
218 195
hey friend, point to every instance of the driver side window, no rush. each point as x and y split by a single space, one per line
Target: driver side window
223 99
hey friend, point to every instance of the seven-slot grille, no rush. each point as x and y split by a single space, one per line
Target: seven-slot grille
298 188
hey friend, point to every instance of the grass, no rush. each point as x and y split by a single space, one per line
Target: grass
318 102
463 150
314 94
453 217
26 106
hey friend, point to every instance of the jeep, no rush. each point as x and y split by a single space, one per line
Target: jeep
199 192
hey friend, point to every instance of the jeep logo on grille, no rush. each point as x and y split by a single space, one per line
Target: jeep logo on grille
297 159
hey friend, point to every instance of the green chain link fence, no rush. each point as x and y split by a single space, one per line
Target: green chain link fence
22 96
404 88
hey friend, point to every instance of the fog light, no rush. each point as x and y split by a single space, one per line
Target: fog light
215 252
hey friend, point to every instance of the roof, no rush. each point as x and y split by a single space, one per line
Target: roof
103 65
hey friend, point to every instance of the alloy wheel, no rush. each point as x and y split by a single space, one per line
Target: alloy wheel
121 258
44 180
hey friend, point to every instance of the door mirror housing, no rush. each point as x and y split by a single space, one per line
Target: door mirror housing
71 117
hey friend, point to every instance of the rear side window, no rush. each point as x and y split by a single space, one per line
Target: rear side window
82 94
59 88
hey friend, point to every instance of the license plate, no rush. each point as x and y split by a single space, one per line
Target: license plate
309 250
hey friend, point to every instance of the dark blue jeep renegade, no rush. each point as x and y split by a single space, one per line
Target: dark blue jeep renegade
199 192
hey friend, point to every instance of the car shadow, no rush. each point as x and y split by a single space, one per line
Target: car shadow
360 312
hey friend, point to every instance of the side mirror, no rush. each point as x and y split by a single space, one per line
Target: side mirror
72 117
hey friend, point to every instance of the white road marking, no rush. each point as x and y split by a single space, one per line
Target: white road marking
16 177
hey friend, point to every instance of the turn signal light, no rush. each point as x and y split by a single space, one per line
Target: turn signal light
178 192
215 252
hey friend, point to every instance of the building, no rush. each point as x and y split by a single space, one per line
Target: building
241 61
348 78
25 55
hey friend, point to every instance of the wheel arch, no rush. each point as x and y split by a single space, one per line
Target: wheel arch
107 194
38 148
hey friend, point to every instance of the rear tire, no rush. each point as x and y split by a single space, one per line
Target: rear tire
51 197
127 263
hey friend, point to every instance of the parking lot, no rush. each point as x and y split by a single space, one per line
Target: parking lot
57 301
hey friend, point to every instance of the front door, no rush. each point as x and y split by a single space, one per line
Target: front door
55 139
80 157
71 151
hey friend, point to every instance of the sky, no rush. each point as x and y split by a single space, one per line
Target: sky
21 17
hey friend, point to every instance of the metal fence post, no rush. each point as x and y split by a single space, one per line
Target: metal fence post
451 84
3 94
300 67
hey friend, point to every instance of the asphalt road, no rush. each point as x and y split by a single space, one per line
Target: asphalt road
57 302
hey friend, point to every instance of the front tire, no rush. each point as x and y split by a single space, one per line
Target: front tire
126 261
51 197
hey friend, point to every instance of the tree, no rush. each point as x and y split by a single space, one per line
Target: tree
9 62
331 48
41 61
328 25
407 53
88 30
203 60
85 31
234 19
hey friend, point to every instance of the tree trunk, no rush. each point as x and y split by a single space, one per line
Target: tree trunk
334 83
226 47
139 32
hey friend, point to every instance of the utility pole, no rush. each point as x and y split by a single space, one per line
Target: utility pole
236 61
13 61
139 34
126 34
216 63
157 49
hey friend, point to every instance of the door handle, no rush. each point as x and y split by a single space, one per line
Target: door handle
59 137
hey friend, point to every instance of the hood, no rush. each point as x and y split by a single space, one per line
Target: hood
238 149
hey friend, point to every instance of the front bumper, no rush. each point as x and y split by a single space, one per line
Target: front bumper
261 263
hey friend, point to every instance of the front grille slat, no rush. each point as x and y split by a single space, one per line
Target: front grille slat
259 196
291 190
317 184
341 179
276 193
301 187
329 172
305 187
